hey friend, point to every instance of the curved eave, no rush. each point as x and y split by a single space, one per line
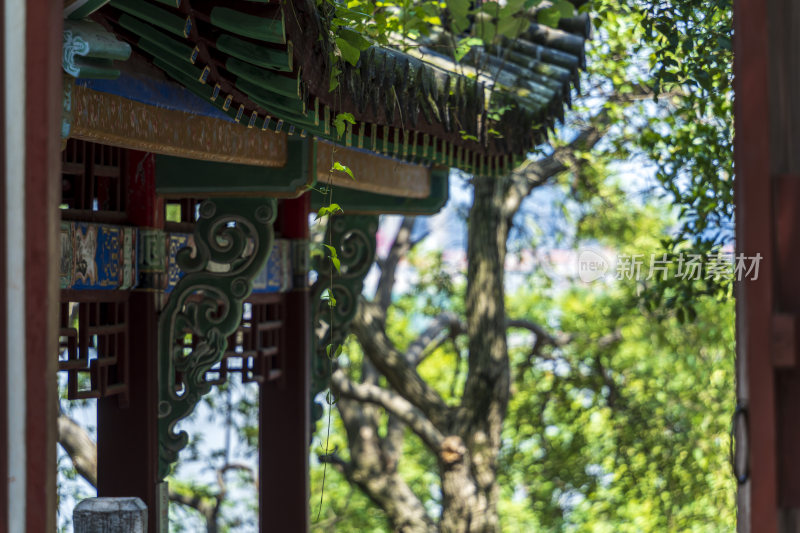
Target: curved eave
430 93
266 67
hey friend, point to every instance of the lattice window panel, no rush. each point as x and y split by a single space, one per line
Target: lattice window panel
94 180
93 349
256 349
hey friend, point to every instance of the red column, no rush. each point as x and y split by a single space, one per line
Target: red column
127 437
758 506
42 117
785 322
284 428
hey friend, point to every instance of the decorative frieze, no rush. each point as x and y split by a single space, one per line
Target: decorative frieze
108 257
277 275
380 175
152 259
98 256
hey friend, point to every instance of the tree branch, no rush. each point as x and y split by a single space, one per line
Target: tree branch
537 173
451 324
334 459
79 446
373 474
369 328
542 336
227 467
392 443
389 492
445 322
393 403
400 247
202 505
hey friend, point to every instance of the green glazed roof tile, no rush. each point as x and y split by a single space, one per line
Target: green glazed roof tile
280 60
175 24
268 30
417 105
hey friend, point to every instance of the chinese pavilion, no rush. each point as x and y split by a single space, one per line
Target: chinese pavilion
157 158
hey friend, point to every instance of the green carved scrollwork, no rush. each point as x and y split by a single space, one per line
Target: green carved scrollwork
233 238
89 50
354 238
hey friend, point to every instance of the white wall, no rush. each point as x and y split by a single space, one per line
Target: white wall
14 211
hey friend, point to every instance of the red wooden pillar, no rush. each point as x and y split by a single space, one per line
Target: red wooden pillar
284 427
40 182
757 502
127 437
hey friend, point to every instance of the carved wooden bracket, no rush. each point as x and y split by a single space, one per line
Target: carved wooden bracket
353 236
233 238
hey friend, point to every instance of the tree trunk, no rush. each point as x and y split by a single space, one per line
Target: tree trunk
469 459
373 466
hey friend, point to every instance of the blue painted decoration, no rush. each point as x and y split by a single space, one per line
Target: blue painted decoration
276 276
97 256
158 93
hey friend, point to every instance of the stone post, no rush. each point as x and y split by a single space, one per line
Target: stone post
110 515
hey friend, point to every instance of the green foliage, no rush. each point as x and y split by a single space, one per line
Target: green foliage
330 209
327 297
679 53
551 15
355 25
625 428
340 123
464 46
343 168
334 257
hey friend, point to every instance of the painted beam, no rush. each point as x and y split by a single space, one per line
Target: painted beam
362 202
178 177
371 173
118 258
163 94
276 276
97 256
117 121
